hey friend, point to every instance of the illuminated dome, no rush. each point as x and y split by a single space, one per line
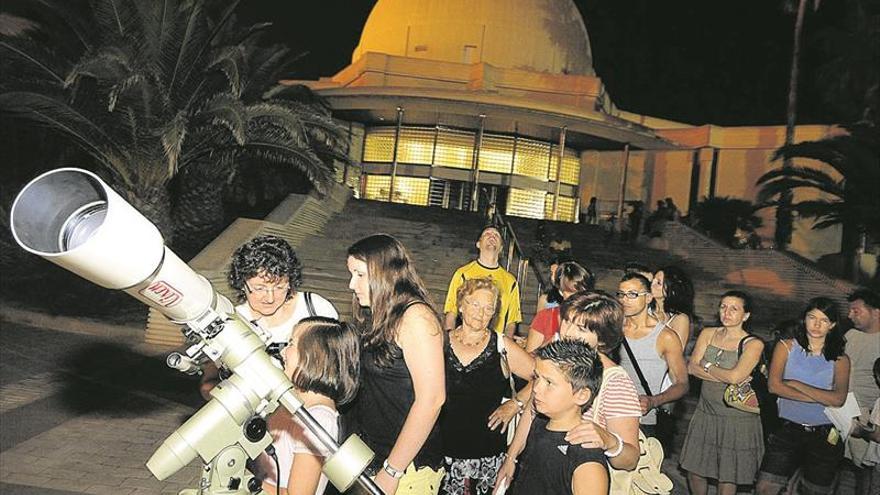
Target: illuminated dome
535 35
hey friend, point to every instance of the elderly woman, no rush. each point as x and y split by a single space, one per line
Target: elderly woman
478 366
596 319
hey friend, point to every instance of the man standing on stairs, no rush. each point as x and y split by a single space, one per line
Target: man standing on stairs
266 274
862 347
650 351
489 246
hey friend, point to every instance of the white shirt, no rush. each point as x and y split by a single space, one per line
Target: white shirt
280 333
291 438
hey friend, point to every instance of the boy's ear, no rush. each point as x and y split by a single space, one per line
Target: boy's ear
582 396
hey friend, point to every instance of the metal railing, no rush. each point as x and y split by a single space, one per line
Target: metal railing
512 254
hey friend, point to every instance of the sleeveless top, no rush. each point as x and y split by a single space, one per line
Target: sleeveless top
814 371
384 399
472 393
549 462
653 366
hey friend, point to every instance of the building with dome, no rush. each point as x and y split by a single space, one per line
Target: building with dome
461 103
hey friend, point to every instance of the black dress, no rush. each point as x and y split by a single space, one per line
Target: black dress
383 402
473 392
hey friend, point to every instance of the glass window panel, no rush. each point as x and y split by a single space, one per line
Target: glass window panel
454 149
496 154
565 208
528 203
411 190
571 166
377 187
416 145
531 158
379 144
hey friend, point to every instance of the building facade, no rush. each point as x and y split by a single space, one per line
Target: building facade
460 103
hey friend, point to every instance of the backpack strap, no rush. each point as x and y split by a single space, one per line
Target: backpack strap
310 306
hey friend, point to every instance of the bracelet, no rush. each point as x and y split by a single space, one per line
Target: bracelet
394 473
619 448
519 404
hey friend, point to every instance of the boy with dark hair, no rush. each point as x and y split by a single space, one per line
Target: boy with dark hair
568 374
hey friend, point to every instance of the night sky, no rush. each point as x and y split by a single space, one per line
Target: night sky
695 61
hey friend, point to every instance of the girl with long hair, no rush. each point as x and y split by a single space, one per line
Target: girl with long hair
402 370
673 301
569 278
808 373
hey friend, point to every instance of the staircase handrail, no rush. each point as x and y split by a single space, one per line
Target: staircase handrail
512 248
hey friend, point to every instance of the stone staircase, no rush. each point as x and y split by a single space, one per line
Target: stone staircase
322 229
296 218
438 240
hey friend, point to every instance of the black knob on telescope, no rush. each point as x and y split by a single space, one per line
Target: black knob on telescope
255 429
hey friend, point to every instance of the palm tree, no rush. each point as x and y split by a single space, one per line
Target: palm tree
155 91
851 201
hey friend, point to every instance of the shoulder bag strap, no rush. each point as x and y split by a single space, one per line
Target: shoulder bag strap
635 363
310 306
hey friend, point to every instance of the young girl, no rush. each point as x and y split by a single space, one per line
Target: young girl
322 360
808 373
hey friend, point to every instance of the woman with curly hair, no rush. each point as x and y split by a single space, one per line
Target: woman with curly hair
266 273
808 373
402 371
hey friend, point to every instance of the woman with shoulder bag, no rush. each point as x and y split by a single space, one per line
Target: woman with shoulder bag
722 442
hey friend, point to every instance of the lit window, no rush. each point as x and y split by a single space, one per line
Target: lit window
571 166
531 158
528 203
454 149
416 145
379 144
409 190
565 209
496 154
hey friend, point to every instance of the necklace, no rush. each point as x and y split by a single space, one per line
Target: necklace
457 335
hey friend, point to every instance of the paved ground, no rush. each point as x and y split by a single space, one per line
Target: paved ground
83 405
81 414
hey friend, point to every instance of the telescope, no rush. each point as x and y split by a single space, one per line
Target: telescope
72 218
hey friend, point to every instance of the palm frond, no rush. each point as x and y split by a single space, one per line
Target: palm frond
108 63
230 61
31 60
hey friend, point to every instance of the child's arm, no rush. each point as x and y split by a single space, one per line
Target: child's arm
590 478
305 473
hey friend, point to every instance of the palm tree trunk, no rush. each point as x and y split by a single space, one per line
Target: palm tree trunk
783 211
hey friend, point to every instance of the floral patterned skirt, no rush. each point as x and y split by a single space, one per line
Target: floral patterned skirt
471 476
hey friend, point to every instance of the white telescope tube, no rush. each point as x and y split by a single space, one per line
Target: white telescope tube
72 218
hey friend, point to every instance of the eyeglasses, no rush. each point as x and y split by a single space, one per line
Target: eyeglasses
477 307
631 294
262 290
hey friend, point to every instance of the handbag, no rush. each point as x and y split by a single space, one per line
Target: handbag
745 395
505 369
646 478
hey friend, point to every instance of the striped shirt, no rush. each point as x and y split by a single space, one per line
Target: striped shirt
617 399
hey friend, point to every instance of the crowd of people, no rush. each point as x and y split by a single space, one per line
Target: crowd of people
451 403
